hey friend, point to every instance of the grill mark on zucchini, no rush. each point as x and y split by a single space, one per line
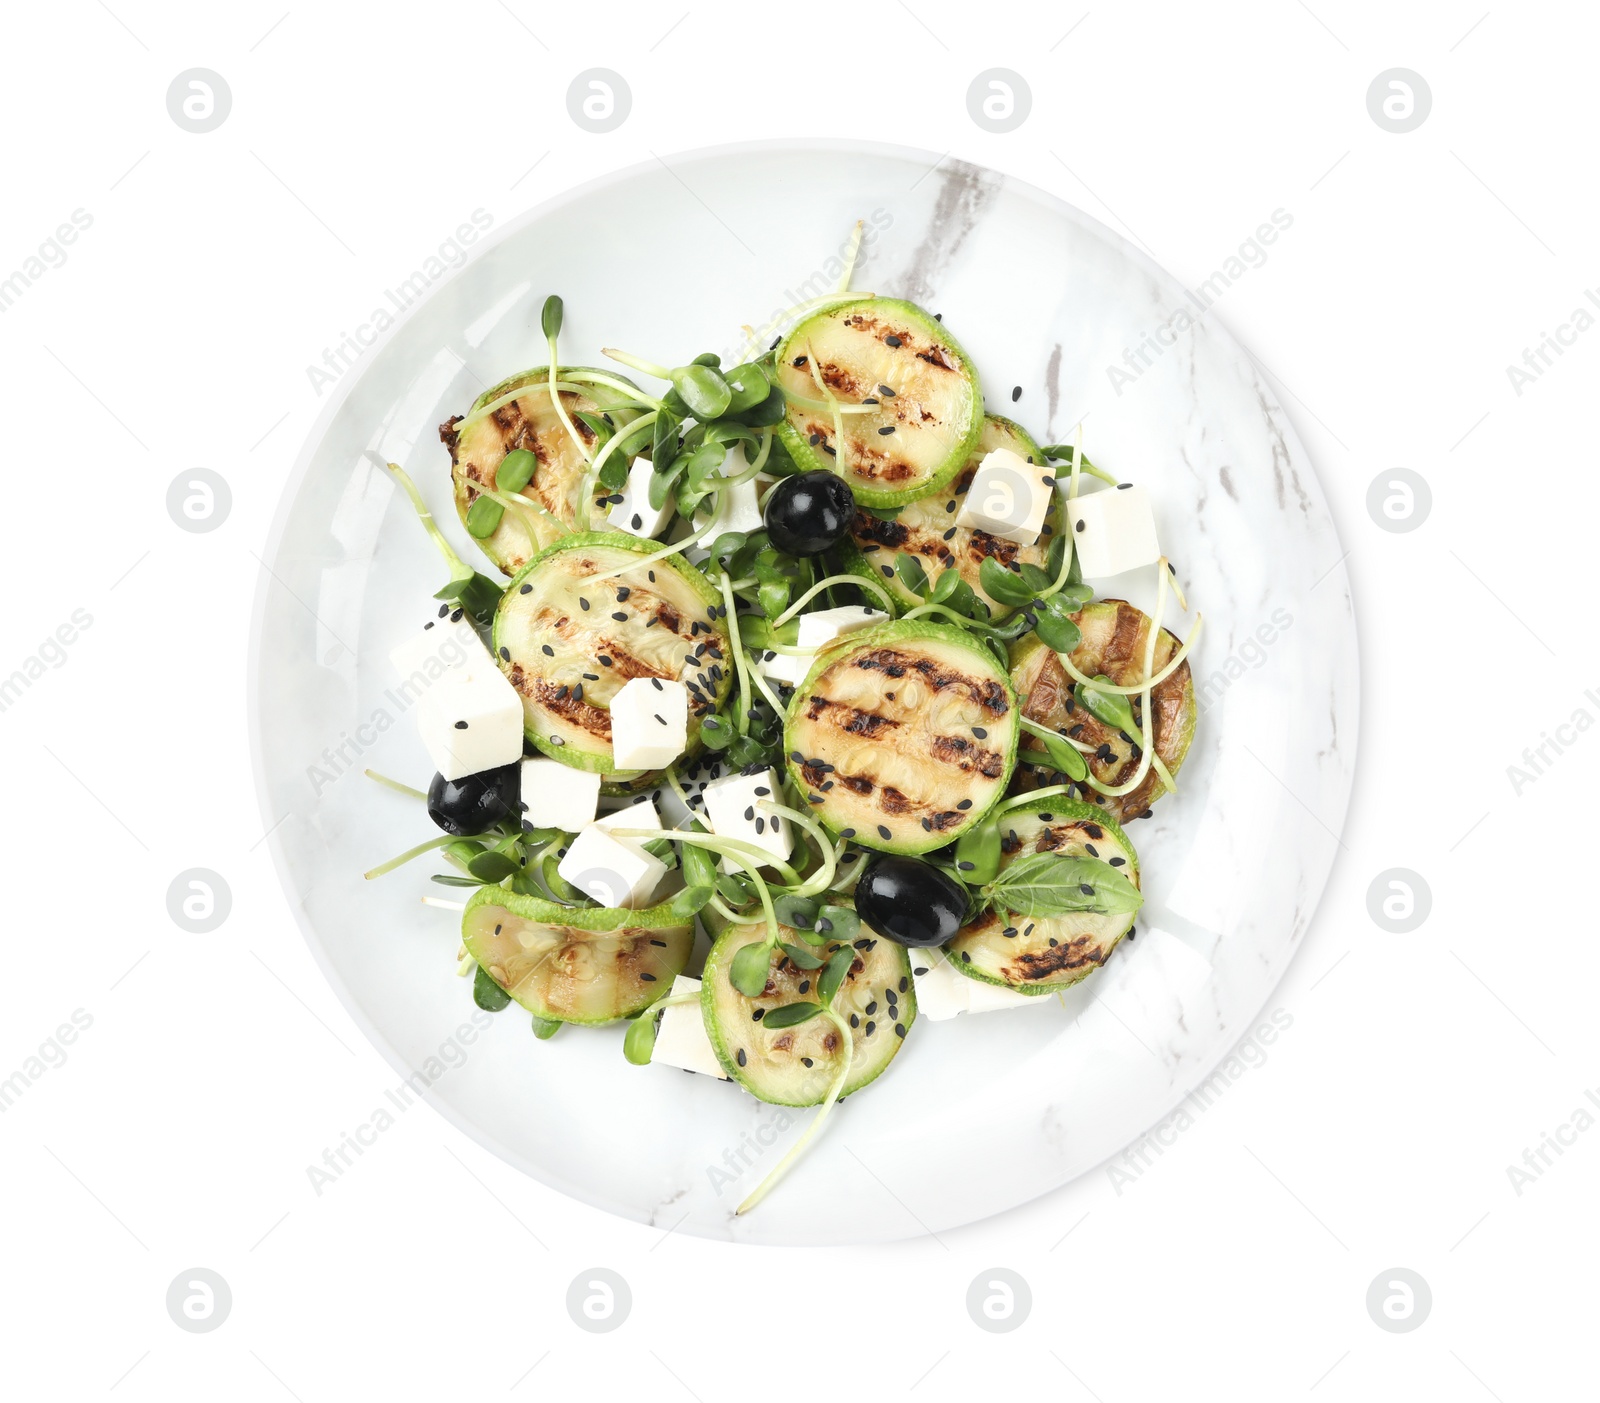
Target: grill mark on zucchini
1113 643
893 729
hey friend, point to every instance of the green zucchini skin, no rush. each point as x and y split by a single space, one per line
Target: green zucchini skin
1114 634
531 422
772 1068
1050 953
915 719
542 607
913 442
575 964
926 528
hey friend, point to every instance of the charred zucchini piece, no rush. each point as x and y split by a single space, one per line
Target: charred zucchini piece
795 1066
906 733
928 409
575 964
558 640
528 422
1113 643
1047 953
926 528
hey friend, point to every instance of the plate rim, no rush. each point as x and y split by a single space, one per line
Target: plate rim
300 471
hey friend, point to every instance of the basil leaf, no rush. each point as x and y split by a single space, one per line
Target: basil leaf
788 1015
838 966
945 586
448 880
773 597
545 1027
1001 585
978 854
1053 884
488 995
735 889
747 971
550 317
802 959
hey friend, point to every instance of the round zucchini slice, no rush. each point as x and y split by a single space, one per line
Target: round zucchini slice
796 1066
530 421
1047 953
925 409
926 528
1113 643
558 640
905 733
575 964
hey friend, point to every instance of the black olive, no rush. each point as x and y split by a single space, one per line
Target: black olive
910 901
809 512
474 803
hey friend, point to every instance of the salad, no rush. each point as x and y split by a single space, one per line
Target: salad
792 717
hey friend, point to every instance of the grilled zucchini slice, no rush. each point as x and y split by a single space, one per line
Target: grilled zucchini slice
1048 953
530 421
558 641
1113 643
575 964
914 438
926 528
906 733
796 1066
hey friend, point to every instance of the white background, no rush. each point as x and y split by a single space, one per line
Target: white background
1377 1132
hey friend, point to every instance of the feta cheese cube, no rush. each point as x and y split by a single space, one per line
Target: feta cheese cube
471 720
639 813
731 811
437 647
612 871
673 810
649 723
1113 530
819 629
633 513
943 992
557 796
681 1039
784 667
738 510
1008 498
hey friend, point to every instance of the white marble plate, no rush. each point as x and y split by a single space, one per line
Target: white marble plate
975 1116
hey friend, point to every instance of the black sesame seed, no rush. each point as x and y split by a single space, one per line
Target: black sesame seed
899 1030
894 341
648 978
805 986
758 1015
966 959
620 616
1078 526
582 602
815 439
808 1061
964 804
505 654
883 832
1118 862
603 660
526 589
741 1057
886 429
980 733
872 1007
461 725
855 1020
